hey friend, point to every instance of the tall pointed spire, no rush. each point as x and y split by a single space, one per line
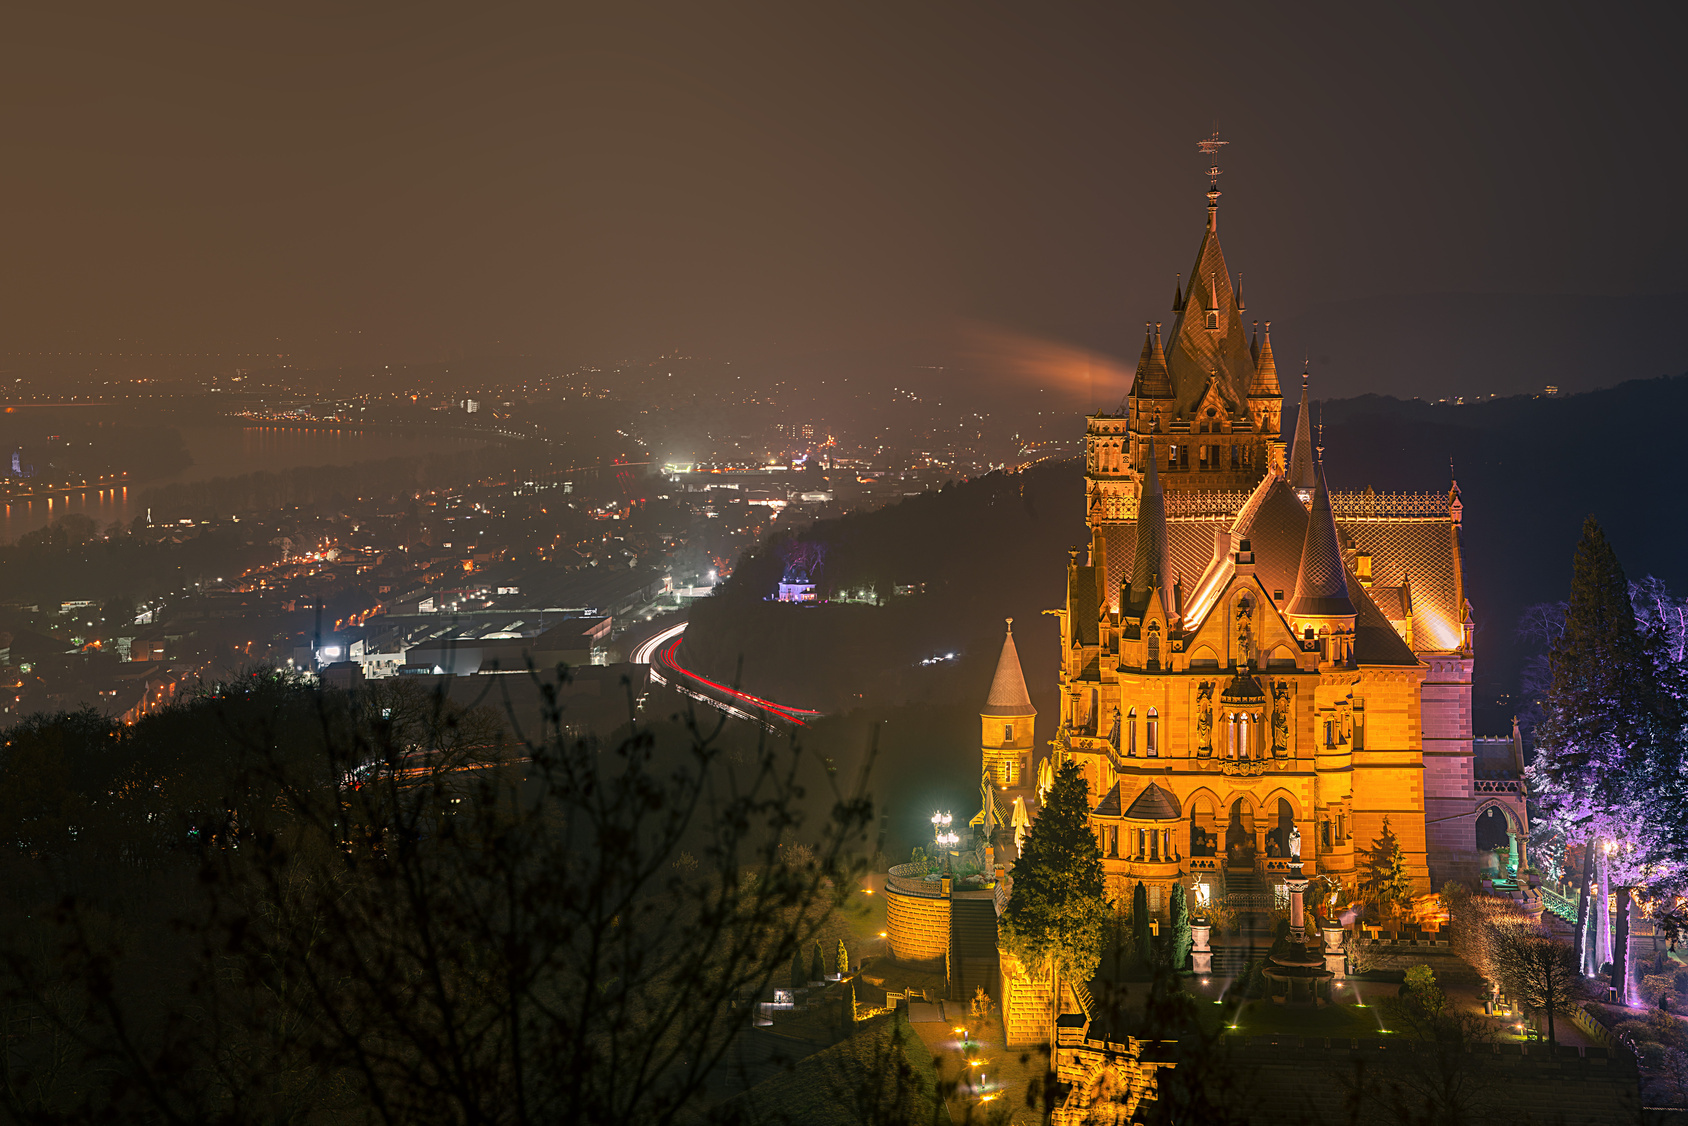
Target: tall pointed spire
1149 568
1254 344
1177 293
1265 370
1301 453
1151 381
1321 586
1008 695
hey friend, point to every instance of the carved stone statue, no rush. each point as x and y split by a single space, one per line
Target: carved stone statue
1204 728
1295 842
1280 719
1245 628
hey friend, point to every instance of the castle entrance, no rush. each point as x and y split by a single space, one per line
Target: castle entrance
1277 841
1239 836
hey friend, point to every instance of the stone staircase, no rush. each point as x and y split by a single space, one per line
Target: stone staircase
1229 960
1247 892
972 951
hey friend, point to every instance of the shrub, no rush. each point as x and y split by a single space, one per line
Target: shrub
1637 1030
1667 1030
1650 1054
1654 986
1680 980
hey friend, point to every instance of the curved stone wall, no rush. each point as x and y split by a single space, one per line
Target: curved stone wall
917 927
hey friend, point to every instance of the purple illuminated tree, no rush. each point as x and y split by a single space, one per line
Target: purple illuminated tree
1609 746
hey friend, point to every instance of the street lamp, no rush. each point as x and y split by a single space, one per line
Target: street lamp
940 826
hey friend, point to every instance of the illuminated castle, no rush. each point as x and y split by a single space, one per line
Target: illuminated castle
1245 652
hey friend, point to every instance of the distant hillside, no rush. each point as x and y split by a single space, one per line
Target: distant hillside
1529 470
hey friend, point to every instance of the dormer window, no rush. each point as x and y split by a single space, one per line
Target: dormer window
1213 319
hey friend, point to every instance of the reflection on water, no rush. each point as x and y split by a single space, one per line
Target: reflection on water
226 451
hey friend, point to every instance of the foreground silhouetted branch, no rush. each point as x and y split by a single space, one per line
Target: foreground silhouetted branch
386 914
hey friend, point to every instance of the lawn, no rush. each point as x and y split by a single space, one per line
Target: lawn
1263 1018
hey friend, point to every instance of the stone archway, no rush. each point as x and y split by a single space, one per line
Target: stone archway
1497 835
1205 837
1240 840
1283 823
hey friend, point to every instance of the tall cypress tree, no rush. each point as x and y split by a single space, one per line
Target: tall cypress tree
1056 914
1140 925
1182 940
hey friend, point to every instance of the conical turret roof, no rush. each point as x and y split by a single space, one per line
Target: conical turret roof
1008 695
1265 371
1151 381
1301 452
1149 567
1321 586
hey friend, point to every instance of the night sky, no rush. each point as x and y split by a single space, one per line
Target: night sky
1432 200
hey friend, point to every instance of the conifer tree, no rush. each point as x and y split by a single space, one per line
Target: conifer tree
842 959
1383 875
1056 914
1182 940
1141 939
1609 744
817 968
798 980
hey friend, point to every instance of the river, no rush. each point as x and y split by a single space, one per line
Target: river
225 450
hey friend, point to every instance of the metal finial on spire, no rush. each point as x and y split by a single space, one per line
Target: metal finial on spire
1321 445
1210 148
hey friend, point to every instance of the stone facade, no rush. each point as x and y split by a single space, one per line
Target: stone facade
1284 661
917 922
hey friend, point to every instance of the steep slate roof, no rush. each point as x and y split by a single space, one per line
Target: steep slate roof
1424 551
1197 351
1321 585
1108 806
1266 370
1081 603
1151 380
1301 451
1154 804
1151 562
1008 695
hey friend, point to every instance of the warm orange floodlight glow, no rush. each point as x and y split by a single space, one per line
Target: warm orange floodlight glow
1024 359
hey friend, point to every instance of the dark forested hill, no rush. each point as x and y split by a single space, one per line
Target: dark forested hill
1529 470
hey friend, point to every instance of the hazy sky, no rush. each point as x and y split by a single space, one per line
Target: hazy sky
756 180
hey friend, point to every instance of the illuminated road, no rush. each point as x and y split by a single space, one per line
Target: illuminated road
660 652
646 649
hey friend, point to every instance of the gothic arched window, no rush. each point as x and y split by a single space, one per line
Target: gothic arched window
1152 735
1131 733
